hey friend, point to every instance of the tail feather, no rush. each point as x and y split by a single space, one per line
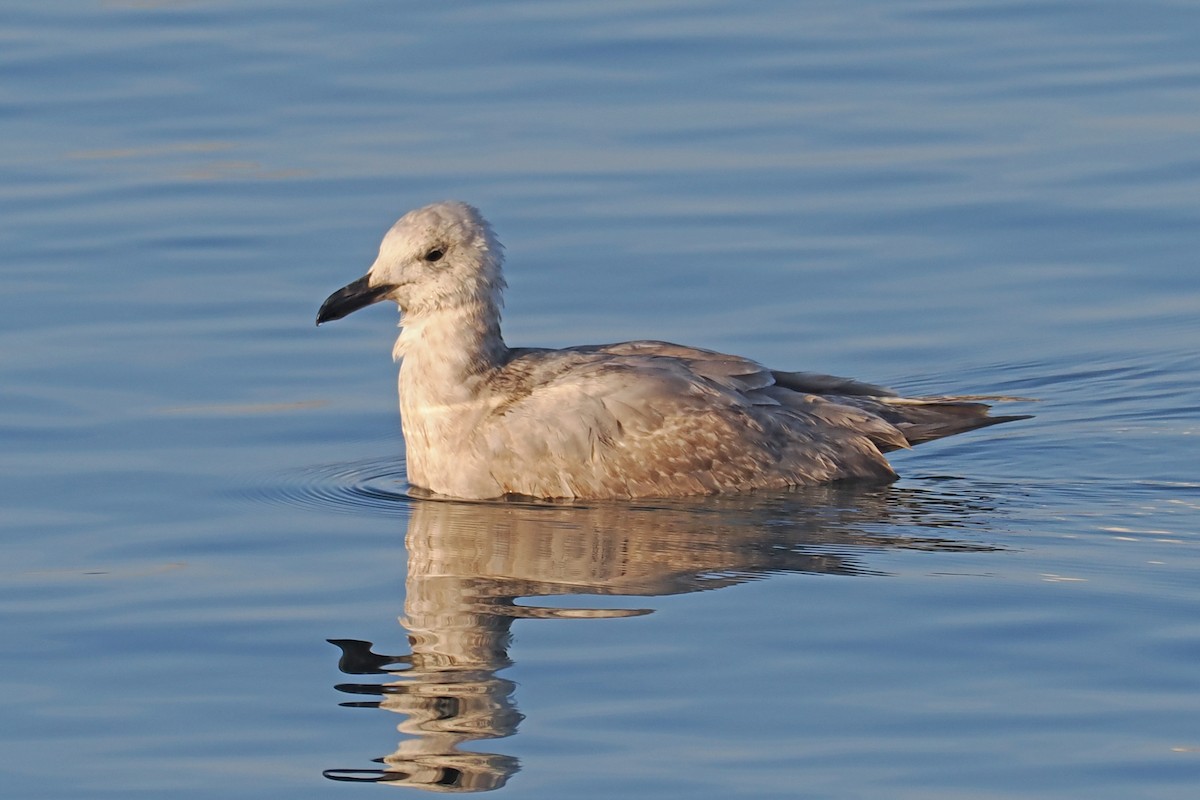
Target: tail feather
925 419
918 419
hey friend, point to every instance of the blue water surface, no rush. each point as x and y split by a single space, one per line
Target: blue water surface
200 489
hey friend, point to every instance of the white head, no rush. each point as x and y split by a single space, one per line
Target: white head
442 256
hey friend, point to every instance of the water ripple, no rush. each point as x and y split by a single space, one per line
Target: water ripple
374 485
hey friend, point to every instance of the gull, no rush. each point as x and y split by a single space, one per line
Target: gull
482 420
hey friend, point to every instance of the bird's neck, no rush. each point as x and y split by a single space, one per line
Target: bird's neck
446 351
447 358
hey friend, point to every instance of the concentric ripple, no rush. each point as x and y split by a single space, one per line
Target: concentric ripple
375 485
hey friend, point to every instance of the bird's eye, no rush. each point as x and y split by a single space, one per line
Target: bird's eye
434 255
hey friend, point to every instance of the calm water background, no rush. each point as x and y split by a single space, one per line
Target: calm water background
200 488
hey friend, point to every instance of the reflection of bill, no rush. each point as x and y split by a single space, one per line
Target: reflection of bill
468 563
445 705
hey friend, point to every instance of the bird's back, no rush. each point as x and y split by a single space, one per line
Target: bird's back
653 419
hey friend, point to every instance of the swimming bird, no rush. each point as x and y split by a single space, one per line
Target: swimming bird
483 420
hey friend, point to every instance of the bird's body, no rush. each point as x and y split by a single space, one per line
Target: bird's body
636 419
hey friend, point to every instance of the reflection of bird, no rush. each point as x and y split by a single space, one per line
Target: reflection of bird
638 419
470 563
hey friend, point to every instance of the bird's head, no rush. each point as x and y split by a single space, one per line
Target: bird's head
441 256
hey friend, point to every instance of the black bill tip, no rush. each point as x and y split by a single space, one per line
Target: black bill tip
351 298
